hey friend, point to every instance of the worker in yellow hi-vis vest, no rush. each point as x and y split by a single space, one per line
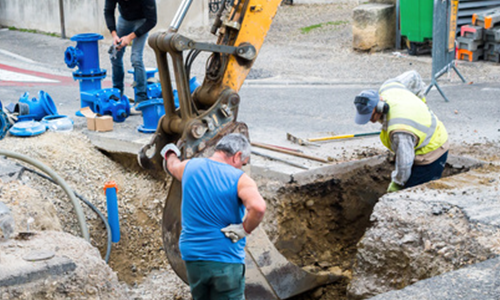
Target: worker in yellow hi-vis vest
409 129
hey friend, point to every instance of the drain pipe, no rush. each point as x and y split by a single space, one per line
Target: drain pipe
76 204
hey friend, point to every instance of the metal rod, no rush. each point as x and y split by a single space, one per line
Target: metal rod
441 92
284 148
398 29
61 16
180 14
280 160
459 75
290 152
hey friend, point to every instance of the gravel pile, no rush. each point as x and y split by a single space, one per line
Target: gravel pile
85 169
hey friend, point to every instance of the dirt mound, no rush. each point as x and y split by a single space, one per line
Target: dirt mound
85 169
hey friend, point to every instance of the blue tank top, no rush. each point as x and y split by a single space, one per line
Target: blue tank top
209 203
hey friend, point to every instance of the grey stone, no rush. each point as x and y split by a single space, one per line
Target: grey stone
9 170
426 231
480 281
373 27
29 272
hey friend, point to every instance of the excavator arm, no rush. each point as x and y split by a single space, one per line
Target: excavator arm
206 115
211 111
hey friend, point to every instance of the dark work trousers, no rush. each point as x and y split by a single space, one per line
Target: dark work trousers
211 280
425 173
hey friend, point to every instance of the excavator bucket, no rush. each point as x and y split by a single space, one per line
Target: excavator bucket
269 275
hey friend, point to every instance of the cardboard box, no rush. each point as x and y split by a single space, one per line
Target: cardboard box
97 122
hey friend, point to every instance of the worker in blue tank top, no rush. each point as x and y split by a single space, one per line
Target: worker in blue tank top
215 194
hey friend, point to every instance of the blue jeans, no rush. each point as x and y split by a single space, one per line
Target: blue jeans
123 28
210 280
425 173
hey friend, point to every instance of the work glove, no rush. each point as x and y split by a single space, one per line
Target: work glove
169 148
394 187
235 232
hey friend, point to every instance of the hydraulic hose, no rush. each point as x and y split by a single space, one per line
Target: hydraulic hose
76 205
95 209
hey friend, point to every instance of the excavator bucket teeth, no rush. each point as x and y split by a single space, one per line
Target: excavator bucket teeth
269 275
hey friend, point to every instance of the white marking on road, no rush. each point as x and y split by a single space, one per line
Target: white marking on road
20 77
490 89
16 56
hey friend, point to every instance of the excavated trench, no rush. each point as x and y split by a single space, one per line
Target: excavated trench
315 225
318 225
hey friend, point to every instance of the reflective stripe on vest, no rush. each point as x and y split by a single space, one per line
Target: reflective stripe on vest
429 131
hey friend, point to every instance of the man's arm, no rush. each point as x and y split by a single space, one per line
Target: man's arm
173 165
403 145
255 205
109 14
149 12
253 202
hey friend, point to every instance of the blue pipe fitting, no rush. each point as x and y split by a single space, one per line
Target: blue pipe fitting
154 90
35 109
152 111
90 75
85 56
193 85
107 102
111 191
153 87
27 128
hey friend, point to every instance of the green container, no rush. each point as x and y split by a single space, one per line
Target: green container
416 19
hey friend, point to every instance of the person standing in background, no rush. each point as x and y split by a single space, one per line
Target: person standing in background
136 19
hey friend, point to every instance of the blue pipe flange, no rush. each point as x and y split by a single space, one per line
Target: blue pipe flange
27 128
37 108
72 56
47 103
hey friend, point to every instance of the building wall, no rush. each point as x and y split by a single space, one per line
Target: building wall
86 15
